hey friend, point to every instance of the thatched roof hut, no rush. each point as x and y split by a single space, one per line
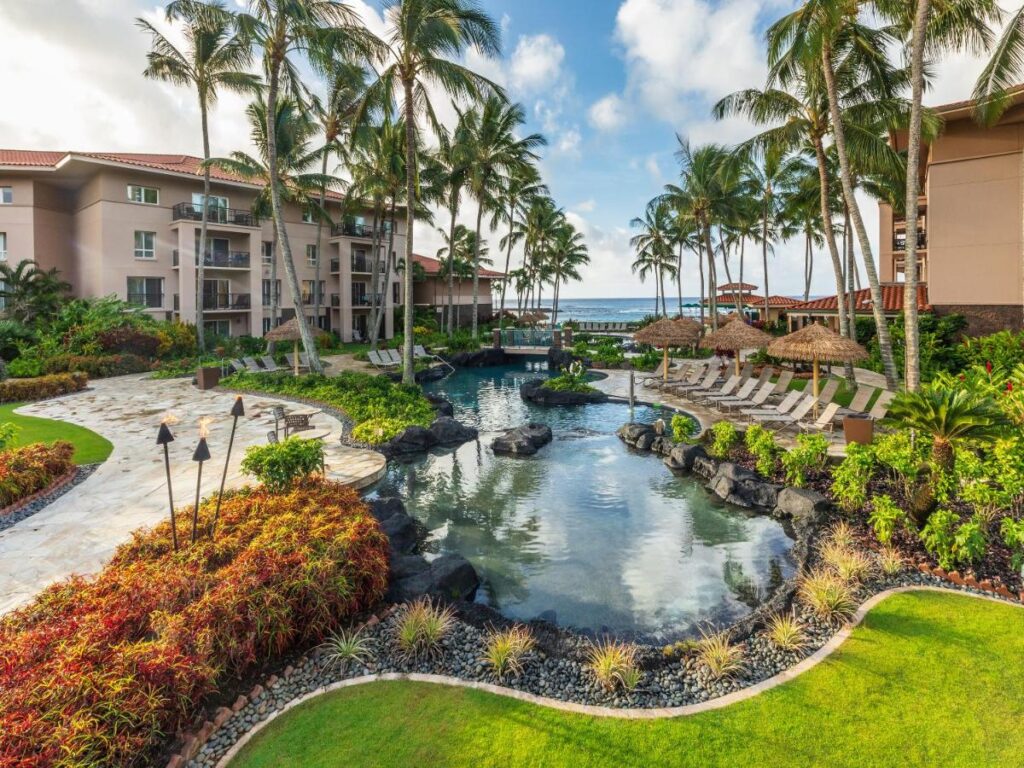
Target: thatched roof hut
736 335
289 331
667 333
815 343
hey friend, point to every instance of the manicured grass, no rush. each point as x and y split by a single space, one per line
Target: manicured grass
928 679
90 448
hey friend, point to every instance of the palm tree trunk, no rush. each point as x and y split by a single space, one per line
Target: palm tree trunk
319 241
764 257
743 248
204 222
728 272
700 271
386 284
275 297
712 279
808 266
508 260
476 270
451 262
408 375
833 249
376 308
679 278
846 175
661 287
851 269
278 212
912 338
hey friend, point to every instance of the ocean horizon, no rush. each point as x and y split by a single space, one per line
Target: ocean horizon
612 310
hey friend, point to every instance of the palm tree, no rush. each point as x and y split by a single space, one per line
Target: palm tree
294 131
31 294
1003 71
803 216
281 29
215 59
460 260
427 35
682 231
494 150
453 167
568 253
521 187
655 246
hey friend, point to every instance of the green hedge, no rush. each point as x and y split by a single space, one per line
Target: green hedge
39 388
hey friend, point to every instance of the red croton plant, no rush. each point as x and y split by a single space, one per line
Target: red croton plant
103 671
32 468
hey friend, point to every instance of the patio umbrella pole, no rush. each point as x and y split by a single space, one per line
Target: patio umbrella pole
664 365
295 357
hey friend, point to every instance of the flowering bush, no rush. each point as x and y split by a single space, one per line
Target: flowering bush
102 671
23 471
20 390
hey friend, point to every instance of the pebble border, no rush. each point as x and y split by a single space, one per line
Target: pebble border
193 742
24 508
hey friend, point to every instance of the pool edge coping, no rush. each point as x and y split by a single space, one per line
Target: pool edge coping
659 713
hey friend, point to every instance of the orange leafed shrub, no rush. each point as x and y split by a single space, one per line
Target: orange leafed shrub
17 390
103 671
23 471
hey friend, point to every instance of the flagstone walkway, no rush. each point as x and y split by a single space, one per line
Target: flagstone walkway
79 531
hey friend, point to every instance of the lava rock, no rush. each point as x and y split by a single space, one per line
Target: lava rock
450 576
404 566
440 404
560 359
705 466
682 457
413 440
662 445
743 488
534 391
632 433
800 504
482 358
382 509
447 431
523 441
402 532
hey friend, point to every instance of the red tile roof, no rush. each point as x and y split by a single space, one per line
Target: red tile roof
737 287
755 301
432 267
30 158
892 300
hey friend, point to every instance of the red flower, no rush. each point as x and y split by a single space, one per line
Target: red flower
1009 387
988 366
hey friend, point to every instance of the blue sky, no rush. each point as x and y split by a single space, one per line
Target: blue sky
609 82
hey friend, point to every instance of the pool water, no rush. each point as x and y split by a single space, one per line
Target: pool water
587 533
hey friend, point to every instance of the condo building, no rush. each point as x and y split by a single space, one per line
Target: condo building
128 225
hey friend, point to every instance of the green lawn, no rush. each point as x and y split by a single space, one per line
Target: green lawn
928 679
90 448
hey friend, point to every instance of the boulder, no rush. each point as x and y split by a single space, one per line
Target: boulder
480 359
682 457
534 391
522 441
404 566
645 441
450 576
705 466
662 445
447 431
413 440
631 433
560 359
743 488
402 532
382 509
440 404
800 504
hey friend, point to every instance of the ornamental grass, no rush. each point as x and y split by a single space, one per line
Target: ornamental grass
102 671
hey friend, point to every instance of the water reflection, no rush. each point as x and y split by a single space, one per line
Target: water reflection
586 532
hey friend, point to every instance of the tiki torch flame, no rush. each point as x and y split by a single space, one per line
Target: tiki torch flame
204 426
169 419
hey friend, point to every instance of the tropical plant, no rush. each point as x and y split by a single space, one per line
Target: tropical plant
345 648
786 632
504 651
890 561
848 563
31 294
684 428
280 465
522 186
809 455
761 443
567 253
653 243
827 595
1012 532
724 438
421 627
613 663
216 58
719 655
939 537
850 479
885 517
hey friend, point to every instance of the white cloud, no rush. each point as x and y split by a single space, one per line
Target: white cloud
587 206
654 169
569 142
608 113
536 63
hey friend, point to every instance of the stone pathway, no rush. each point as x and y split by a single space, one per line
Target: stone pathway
81 529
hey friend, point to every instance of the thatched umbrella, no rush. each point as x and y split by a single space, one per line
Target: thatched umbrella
737 335
816 343
532 318
667 333
289 331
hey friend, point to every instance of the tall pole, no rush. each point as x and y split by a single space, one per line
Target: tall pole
237 410
164 438
202 454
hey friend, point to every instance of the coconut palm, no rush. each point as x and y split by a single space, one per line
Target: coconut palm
30 294
1003 71
426 36
453 169
567 253
457 263
215 59
542 219
494 150
519 189
682 231
803 216
283 31
655 246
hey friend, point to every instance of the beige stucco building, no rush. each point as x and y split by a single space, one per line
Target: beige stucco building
430 291
128 225
971 221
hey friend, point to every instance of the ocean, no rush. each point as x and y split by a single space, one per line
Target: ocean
617 310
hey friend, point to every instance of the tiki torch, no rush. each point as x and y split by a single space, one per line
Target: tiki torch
201 454
165 438
237 410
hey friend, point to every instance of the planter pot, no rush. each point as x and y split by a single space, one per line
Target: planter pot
859 429
207 378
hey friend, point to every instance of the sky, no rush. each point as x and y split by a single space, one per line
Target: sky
609 83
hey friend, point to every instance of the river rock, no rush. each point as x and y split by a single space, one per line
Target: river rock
402 530
523 441
441 405
447 431
414 439
480 359
534 391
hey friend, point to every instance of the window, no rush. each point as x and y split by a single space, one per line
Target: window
307 216
266 325
3 246
215 201
146 292
216 207
268 252
220 328
6 195
396 293
144 195
311 255
308 286
268 297
145 245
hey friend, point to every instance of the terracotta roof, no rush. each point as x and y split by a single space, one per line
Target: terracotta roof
892 300
30 158
1015 92
737 287
432 267
755 301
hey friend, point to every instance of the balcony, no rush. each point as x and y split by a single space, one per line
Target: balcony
352 229
148 300
229 260
364 265
227 302
335 299
335 266
364 299
215 215
899 240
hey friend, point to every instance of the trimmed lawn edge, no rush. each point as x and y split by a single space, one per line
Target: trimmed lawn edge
610 712
90 447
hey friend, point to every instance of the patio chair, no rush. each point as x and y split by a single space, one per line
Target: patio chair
726 389
252 365
745 390
785 406
689 373
237 366
787 420
378 360
269 364
826 422
393 356
290 357
881 407
681 389
861 398
758 399
293 422
827 392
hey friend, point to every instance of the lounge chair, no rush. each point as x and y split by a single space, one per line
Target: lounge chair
237 366
393 356
290 357
688 374
251 365
379 360
681 389
881 407
785 406
826 422
758 399
746 390
861 398
269 364
786 420
726 389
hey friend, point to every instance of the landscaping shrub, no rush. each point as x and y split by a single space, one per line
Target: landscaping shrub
421 628
809 455
176 340
98 366
719 656
724 438
827 595
613 664
102 671
572 379
378 431
24 367
761 444
684 428
23 471
850 479
23 390
344 648
130 341
939 538
504 651
1012 532
280 465
786 632
885 517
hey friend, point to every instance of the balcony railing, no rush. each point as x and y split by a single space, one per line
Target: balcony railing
899 240
364 299
215 215
335 299
227 302
527 338
229 260
352 229
363 264
149 300
335 266
309 298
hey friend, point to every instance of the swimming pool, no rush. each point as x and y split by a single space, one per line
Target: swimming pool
587 533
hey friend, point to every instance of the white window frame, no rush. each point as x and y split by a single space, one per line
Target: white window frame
6 195
312 255
307 216
133 188
145 291
141 253
3 246
268 251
